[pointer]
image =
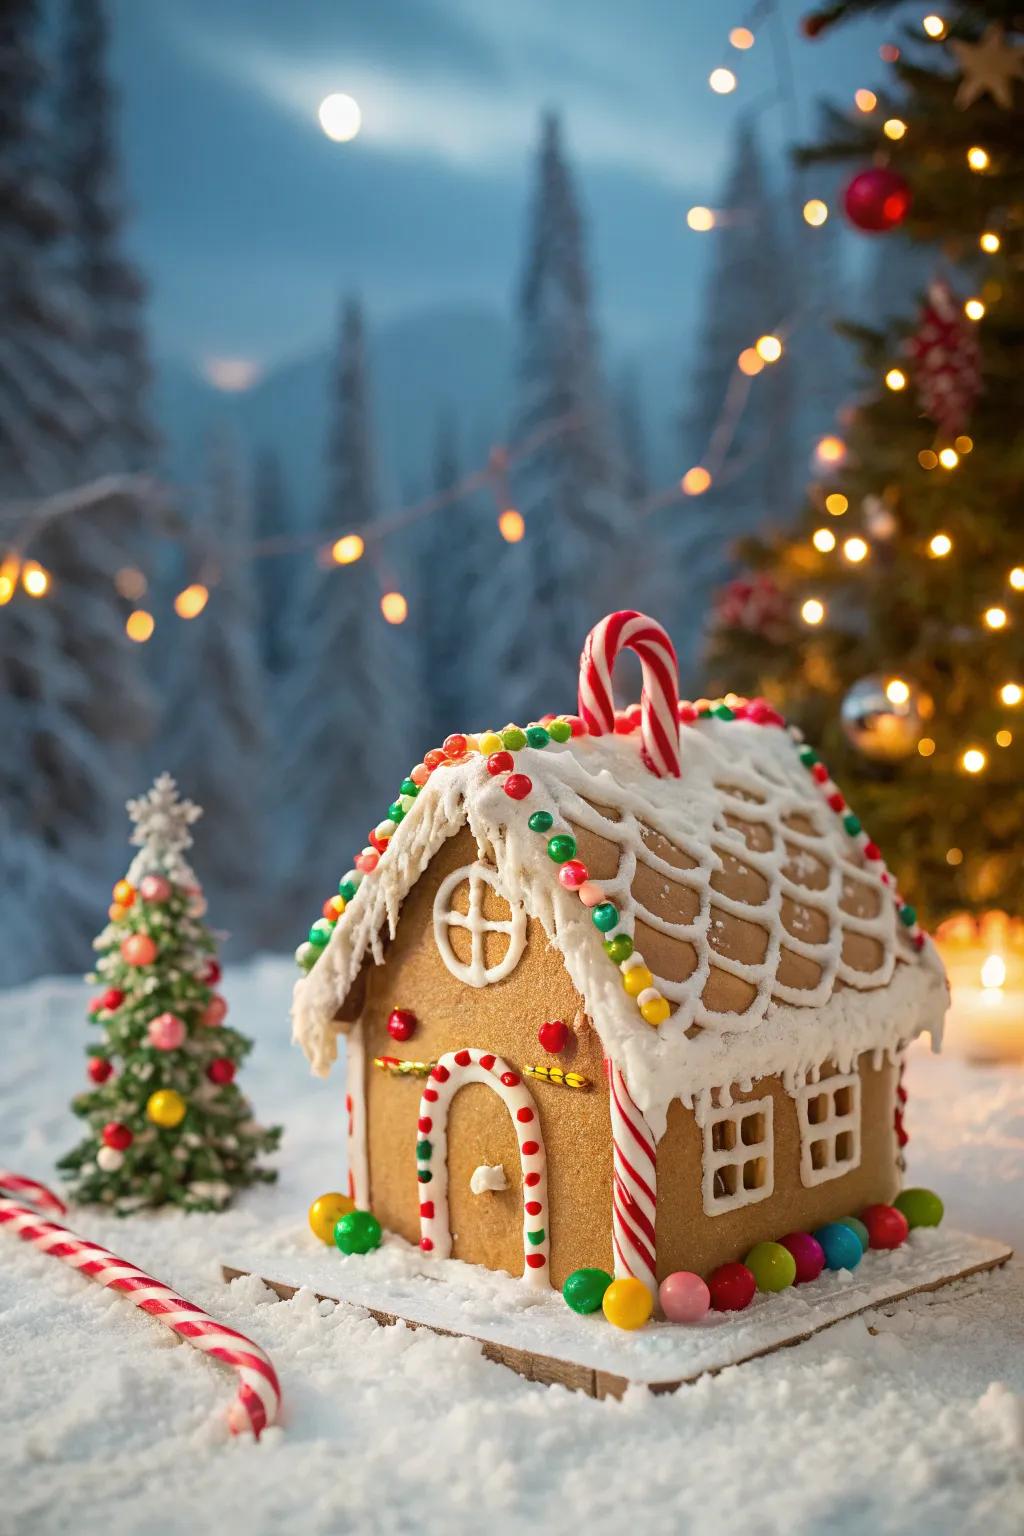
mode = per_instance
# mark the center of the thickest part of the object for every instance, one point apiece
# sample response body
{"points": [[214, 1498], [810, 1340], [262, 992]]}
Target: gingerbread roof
{"points": [[730, 922]]}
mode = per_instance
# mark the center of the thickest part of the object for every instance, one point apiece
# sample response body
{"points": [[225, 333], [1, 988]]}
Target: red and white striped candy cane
{"points": [[634, 1186], [659, 701], [259, 1395]]}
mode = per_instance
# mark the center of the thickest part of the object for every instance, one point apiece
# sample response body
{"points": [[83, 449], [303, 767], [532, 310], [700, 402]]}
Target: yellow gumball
{"points": [[637, 979], [325, 1211], [166, 1108], [489, 742], [656, 1011], [627, 1303]]}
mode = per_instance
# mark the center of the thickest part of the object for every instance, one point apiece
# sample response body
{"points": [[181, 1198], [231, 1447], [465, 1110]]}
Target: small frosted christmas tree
{"points": [[168, 1126]]}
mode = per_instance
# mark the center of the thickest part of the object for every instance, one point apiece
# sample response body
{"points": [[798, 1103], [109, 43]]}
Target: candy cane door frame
{"points": [[451, 1073]]}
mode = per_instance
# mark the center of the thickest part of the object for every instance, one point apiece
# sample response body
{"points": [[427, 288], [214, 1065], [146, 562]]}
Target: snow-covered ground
{"points": [[912, 1422]]}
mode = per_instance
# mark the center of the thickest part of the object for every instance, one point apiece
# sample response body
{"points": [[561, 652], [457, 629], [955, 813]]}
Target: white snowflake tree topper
{"points": [[162, 821]]}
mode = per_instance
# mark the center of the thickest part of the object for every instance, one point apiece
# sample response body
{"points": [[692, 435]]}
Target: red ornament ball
{"points": [[517, 786], [808, 1255], [117, 1136], [221, 1070], [877, 200], [553, 1036], [154, 888], [111, 999], [210, 973], [138, 949], [215, 1012], [99, 1069], [500, 762], [402, 1024], [732, 1287], [887, 1227]]}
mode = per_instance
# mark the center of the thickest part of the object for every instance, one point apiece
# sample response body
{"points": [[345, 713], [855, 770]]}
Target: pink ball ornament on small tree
{"points": [[138, 949], [166, 1032], [215, 1012], [155, 888]]}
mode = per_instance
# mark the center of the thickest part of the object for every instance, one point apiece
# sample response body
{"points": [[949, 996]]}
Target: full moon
{"points": [[340, 117]]}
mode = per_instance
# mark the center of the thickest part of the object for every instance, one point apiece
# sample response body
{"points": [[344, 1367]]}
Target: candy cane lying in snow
{"points": [[659, 701], [259, 1395]]}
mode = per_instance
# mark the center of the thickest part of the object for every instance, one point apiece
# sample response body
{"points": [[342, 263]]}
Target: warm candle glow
{"points": [[897, 691], [896, 379], [34, 579], [813, 611], [993, 971], [978, 159]]}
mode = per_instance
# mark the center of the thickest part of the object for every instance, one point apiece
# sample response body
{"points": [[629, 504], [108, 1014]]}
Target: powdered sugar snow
{"points": [[908, 1419]]}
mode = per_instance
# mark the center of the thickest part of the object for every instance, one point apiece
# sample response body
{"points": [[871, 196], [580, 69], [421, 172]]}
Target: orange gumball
{"points": [[124, 893]]}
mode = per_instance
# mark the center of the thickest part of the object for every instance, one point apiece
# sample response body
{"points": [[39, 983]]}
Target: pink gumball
{"points": [[154, 888], [684, 1297], [166, 1032], [808, 1255], [215, 1012]]}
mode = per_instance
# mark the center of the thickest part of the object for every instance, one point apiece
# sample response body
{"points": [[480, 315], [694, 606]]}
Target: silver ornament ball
{"points": [[884, 717]]}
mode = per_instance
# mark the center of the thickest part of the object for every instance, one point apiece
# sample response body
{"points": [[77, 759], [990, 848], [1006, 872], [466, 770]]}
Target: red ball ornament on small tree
{"points": [[215, 1012], [99, 1069], [211, 972], [111, 999], [877, 200], [117, 1136], [221, 1071]]}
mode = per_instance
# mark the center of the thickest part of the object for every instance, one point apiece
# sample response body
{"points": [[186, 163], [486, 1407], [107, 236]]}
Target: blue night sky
{"points": [[250, 222]]}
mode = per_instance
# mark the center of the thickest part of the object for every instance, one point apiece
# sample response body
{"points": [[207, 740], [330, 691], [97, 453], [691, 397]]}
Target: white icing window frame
{"points": [[736, 1154], [828, 1131], [476, 973]]}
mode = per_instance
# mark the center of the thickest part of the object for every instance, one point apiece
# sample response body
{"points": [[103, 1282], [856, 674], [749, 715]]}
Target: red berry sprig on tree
{"points": [[167, 1122]]}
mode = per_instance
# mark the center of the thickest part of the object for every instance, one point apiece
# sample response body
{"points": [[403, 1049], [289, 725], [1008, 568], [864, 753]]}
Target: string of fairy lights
{"points": [[348, 546]]}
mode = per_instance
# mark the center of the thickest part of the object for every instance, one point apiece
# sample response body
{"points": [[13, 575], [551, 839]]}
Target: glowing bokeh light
{"points": [[340, 117]]}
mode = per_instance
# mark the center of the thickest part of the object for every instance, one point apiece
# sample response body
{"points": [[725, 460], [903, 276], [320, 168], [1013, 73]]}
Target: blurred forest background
{"points": [[174, 591]]}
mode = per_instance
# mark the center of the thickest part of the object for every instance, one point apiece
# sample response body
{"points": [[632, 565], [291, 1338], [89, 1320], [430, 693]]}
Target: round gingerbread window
{"points": [[480, 934]]}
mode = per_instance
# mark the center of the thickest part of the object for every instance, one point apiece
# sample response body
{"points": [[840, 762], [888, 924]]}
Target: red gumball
{"points": [[117, 1136], [887, 1227], [732, 1287], [877, 200], [518, 786], [500, 762], [221, 1070], [99, 1069], [552, 1036], [808, 1255], [138, 949], [401, 1024], [211, 973], [112, 998]]}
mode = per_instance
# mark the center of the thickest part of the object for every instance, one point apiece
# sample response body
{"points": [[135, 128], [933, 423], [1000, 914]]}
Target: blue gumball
{"points": [[841, 1244]]}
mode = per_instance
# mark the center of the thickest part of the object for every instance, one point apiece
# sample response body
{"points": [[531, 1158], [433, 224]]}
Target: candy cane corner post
{"points": [[258, 1400], [659, 700]]}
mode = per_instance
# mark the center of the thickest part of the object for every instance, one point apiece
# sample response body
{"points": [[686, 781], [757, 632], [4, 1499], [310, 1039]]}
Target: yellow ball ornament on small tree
{"points": [[326, 1211], [166, 1108]]}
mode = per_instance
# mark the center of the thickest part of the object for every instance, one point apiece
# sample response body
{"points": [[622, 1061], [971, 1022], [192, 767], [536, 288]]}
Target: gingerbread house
{"points": [[627, 989]]}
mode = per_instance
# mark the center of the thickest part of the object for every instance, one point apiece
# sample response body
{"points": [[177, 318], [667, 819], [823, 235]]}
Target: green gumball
{"points": [[921, 1207], [584, 1290], [856, 1225], [772, 1266], [357, 1232]]}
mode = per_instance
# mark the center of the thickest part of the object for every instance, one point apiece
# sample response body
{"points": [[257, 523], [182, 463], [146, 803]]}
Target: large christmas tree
{"points": [[167, 1123], [890, 621]]}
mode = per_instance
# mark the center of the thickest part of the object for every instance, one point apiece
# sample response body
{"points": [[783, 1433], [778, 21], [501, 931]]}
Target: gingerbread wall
{"points": [[690, 1239], [502, 1017]]}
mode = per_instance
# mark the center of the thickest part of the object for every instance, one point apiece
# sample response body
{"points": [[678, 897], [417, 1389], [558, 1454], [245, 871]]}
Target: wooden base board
{"points": [[586, 1355]]}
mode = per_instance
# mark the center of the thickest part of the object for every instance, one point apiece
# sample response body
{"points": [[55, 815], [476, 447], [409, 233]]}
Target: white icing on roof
{"points": [[729, 768]]}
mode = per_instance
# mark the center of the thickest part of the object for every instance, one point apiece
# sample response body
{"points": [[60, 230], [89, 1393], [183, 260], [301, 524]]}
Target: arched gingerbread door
{"points": [[454, 1071]]}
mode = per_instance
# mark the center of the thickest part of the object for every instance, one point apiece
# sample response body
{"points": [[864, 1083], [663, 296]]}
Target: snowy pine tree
{"points": [[344, 734], [277, 579], [749, 292], [212, 734], [45, 391], [111, 289], [633, 437], [549, 589], [455, 547]]}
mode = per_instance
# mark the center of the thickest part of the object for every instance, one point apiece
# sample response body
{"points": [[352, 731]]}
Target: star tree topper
{"points": [[162, 821], [990, 66]]}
